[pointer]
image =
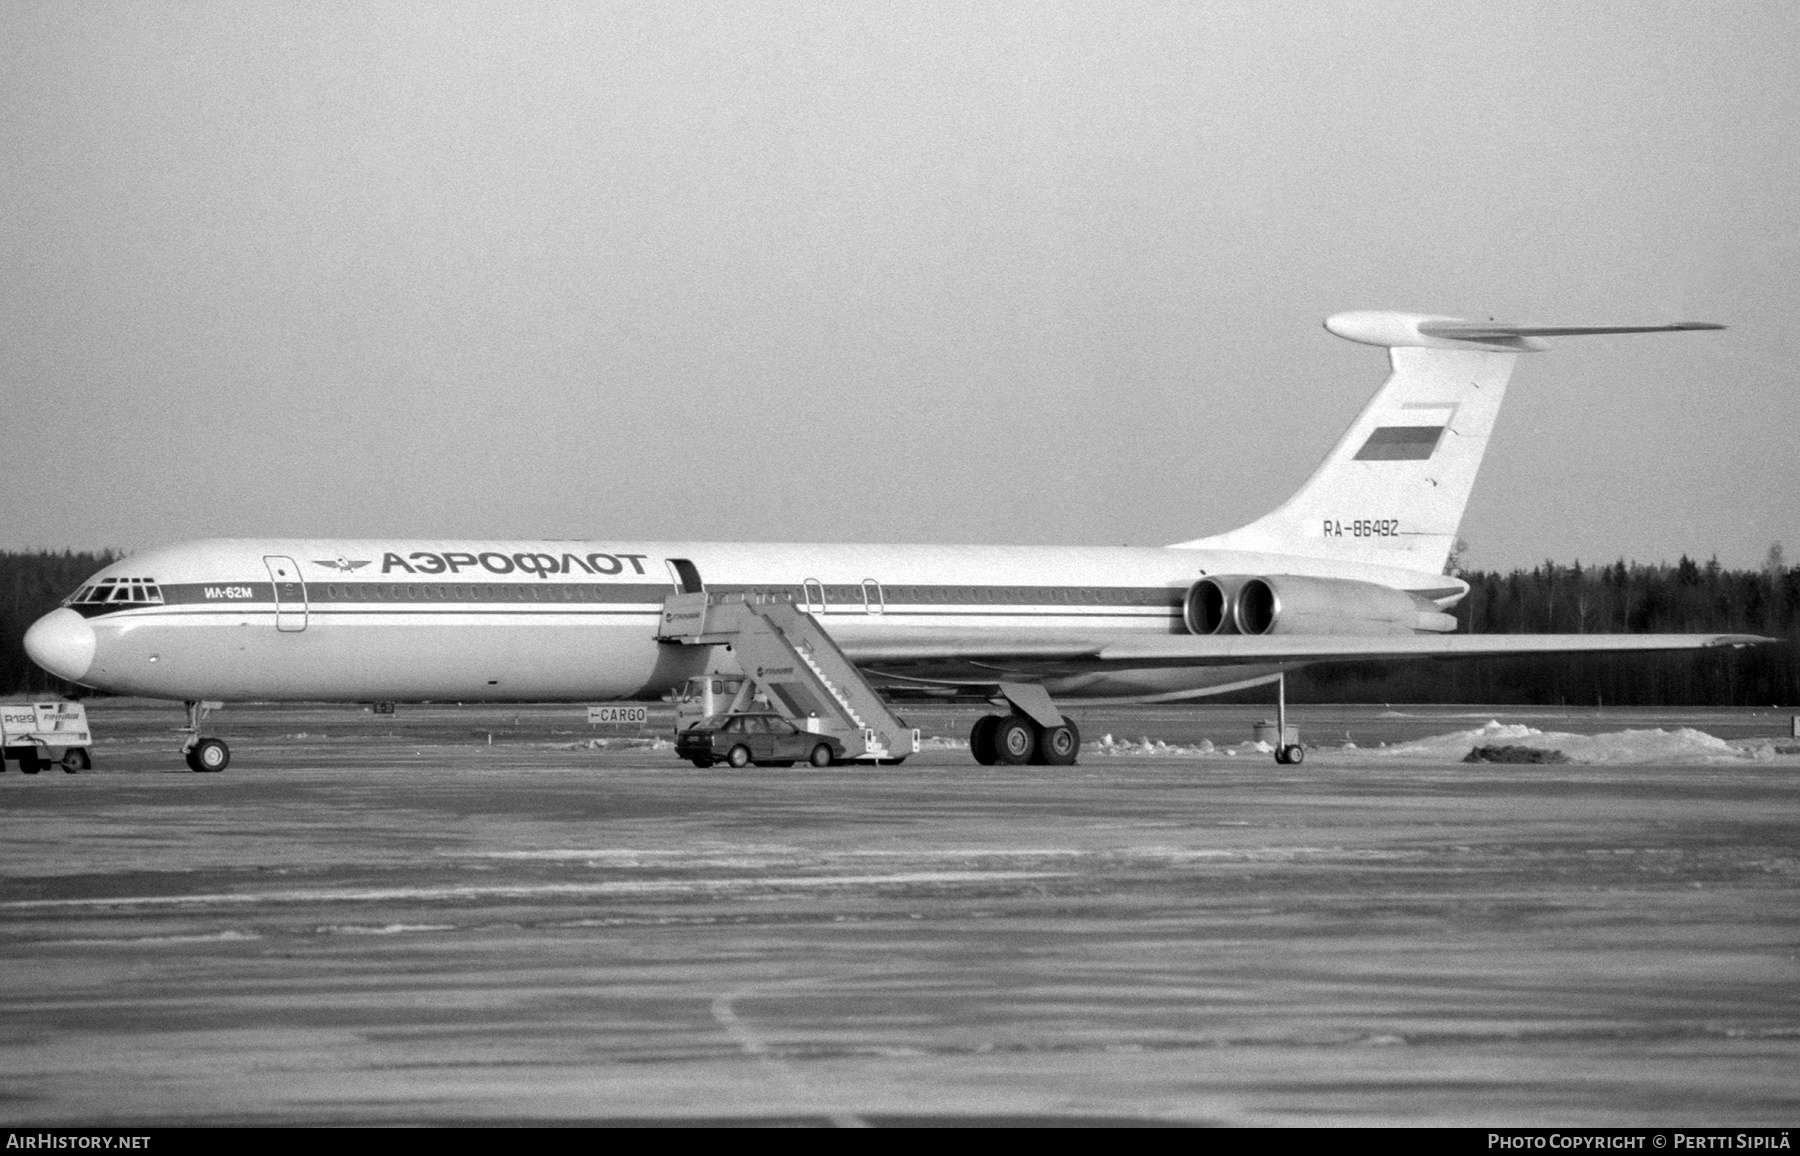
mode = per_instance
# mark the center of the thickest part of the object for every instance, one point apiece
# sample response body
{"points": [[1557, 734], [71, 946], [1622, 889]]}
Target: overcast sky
{"points": [[1039, 273]]}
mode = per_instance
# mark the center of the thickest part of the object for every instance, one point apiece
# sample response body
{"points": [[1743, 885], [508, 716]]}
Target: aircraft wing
{"points": [[1119, 651], [1227, 650]]}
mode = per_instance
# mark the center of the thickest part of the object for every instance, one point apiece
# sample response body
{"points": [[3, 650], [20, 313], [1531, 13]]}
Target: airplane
{"points": [[1352, 566]]}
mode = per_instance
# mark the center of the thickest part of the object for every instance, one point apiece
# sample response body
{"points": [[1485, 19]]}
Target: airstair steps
{"points": [[791, 656], [805, 654]]}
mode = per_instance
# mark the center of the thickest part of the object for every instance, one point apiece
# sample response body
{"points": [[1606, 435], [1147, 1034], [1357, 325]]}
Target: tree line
{"points": [[1621, 598], [31, 585]]}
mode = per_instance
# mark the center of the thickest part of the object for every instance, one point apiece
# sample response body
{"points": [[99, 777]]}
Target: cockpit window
{"points": [[117, 591]]}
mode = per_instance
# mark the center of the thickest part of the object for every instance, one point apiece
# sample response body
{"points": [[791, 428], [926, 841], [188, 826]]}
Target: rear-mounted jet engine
{"points": [[1290, 604]]}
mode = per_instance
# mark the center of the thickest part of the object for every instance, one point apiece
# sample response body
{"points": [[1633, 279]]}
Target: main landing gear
{"points": [[1033, 730], [1013, 739], [204, 753]]}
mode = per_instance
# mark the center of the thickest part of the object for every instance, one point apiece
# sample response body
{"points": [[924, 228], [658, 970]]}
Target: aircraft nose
{"points": [[62, 643]]}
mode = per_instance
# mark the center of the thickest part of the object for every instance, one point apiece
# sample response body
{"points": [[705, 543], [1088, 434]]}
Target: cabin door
{"points": [[290, 593], [686, 575]]}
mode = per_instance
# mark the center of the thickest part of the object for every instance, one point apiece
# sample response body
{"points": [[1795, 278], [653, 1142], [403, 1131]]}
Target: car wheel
{"points": [[701, 763], [1015, 740], [821, 755], [75, 759], [738, 757]]}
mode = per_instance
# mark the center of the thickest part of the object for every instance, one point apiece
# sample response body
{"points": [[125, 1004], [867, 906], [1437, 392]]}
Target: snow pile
{"points": [[1107, 745], [1451, 747], [620, 744], [1680, 745], [1765, 748]]}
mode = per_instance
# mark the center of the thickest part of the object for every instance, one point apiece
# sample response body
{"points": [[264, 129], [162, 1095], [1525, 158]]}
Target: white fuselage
{"points": [[358, 621]]}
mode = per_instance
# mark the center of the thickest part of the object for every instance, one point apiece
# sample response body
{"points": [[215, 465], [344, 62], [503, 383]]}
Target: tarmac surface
{"points": [[468, 915]]}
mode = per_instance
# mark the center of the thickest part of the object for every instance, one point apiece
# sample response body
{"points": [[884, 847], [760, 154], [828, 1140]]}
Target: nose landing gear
{"points": [[203, 753], [208, 754]]}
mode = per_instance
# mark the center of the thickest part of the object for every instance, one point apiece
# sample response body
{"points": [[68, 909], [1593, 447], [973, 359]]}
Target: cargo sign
{"points": [[636, 715]]}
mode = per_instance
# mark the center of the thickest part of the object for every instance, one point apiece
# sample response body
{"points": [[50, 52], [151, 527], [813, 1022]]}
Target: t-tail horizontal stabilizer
{"points": [[1428, 331], [1392, 491]]}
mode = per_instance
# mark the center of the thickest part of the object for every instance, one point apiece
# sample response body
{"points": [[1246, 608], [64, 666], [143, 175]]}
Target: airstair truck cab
{"points": [[36, 735], [701, 698]]}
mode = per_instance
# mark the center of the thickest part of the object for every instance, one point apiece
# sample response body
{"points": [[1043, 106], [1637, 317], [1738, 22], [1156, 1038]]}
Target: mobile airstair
{"points": [[787, 653]]}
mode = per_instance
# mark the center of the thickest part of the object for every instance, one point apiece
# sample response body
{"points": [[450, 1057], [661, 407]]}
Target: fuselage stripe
{"points": [[838, 599]]}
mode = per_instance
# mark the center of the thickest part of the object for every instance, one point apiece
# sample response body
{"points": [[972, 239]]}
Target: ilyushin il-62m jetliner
{"points": [[1351, 567]]}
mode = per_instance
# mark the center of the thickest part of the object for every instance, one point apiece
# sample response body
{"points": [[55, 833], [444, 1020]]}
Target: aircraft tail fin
{"points": [[1393, 489]]}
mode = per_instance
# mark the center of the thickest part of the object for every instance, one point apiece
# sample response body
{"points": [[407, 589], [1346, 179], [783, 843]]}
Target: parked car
{"points": [[768, 740]]}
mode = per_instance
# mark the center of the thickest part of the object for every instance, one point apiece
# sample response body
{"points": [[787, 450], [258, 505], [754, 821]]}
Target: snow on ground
{"points": [[619, 743], [1107, 745], [1681, 745]]}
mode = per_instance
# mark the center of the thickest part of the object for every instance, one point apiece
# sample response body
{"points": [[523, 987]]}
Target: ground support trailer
{"points": [[42, 734]]}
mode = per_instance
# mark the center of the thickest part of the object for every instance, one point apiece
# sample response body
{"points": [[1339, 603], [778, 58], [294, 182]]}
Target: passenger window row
{"points": [[989, 595]]}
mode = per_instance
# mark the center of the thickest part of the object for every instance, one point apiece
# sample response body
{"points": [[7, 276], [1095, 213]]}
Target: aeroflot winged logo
{"points": [[344, 565]]}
